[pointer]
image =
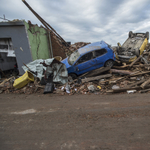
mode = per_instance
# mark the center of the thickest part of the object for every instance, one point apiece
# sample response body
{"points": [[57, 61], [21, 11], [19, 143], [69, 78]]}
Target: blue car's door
{"points": [[101, 56], [86, 63]]}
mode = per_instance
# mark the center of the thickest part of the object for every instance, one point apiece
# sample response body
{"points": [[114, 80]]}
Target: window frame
{"points": [[77, 63], [99, 50]]}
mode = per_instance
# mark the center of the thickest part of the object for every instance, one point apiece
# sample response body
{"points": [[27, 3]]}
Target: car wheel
{"points": [[72, 77], [109, 63], [130, 34], [147, 35], [137, 52]]}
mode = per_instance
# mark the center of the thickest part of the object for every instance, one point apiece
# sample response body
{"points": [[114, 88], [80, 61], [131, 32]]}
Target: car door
{"points": [[85, 63], [100, 56]]}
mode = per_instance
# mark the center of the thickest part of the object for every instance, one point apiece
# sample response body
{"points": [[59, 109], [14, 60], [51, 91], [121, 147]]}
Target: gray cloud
{"points": [[85, 20]]}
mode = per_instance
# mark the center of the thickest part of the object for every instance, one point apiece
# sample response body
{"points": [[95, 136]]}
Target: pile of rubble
{"points": [[130, 78]]}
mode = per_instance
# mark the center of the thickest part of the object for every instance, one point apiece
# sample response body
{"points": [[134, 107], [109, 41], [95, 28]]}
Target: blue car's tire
{"points": [[109, 63]]}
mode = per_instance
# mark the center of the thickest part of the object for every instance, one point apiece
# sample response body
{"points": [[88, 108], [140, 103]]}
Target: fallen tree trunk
{"points": [[96, 78]]}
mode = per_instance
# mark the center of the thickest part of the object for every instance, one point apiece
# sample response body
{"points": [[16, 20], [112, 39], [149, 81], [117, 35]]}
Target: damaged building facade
{"points": [[22, 42]]}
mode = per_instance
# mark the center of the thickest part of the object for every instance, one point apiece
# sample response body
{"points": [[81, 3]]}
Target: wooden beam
{"points": [[144, 91], [136, 83], [124, 89], [96, 78], [145, 84], [137, 59], [140, 73], [124, 72], [97, 71]]}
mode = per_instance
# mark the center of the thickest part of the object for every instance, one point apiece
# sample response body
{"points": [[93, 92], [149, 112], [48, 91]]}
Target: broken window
{"points": [[85, 57], [73, 57], [100, 52], [6, 46]]}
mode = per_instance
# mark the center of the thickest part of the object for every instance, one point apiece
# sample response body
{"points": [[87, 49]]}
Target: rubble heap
{"points": [[130, 78]]}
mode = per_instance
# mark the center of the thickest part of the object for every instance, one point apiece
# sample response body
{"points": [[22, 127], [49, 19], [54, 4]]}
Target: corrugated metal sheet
{"points": [[60, 73]]}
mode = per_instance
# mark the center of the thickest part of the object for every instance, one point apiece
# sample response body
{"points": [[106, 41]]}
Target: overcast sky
{"points": [[85, 20]]}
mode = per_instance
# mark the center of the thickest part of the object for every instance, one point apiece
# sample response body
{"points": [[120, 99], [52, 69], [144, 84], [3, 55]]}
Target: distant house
{"points": [[24, 42]]}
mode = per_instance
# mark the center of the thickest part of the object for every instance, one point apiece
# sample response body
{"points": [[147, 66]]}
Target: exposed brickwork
{"points": [[58, 50]]}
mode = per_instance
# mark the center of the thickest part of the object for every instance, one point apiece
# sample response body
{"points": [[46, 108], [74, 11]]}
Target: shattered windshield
{"points": [[73, 57]]}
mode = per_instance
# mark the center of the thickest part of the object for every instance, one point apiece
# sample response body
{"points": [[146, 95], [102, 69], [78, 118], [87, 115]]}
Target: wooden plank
{"points": [[145, 84], [127, 88], [97, 71], [6, 80], [141, 65], [114, 80], [123, 89], [144, 91], [146, 66], [140, 73], [120, 67], [136, 83], [96, 78], [125, 72], [137, 59]]}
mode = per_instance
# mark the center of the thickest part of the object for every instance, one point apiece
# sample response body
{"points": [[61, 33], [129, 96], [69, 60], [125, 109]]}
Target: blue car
{"points": [[89, 57]]}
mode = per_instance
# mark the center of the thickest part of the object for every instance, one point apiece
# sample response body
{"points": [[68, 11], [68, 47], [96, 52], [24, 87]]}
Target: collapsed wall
{"points": [[40, 42]]}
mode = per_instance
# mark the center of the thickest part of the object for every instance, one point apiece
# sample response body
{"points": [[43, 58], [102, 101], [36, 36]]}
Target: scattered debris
{"points": [[115, 87], [126, 78], [131, 91], [23, 80]]}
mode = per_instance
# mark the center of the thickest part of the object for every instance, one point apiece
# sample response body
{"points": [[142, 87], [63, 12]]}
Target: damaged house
{"points": [[22, 42]]}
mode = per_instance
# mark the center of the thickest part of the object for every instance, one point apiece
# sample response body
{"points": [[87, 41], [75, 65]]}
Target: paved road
{"points": [[78, 122]]}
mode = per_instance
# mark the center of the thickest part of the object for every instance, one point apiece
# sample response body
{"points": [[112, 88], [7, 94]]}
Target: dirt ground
{"points": [[78, 122]]}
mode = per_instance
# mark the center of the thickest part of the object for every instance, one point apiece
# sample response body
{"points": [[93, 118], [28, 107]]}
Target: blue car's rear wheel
{"points": [[109, 63]]}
